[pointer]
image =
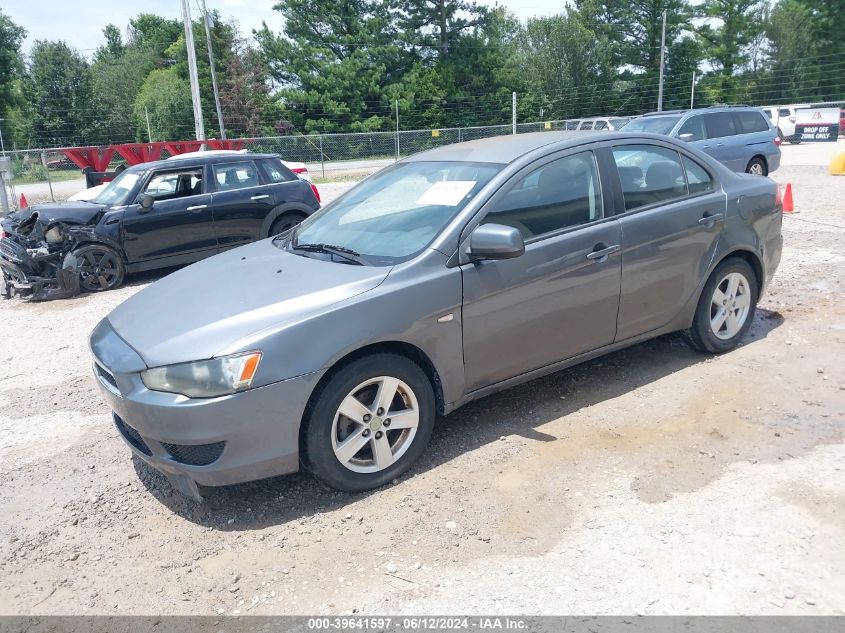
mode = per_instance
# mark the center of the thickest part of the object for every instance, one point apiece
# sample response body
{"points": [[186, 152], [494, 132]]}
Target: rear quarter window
{"points": [[719, 124], [274, 171], [749, 122]]}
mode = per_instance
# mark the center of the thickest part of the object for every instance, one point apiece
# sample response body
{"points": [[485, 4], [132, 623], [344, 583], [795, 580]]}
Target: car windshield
{"points": [[653, 124], [396, 213], [117, 191]]}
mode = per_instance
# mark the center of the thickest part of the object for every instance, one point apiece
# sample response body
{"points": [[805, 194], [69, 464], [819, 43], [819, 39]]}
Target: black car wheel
{"points": [[726, 308], [100, 268], [369, 423], [285, 222]]}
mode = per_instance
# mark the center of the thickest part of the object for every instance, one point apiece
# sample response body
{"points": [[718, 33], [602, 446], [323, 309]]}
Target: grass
{"points": [[56, 175]]}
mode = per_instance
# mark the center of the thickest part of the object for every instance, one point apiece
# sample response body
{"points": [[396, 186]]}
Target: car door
{"points": [[722, 142], [179, 226], [671, 223], [560, 298], [240, 203]]}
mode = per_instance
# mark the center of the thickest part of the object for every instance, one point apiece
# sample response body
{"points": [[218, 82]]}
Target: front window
{"points": [[653, 124], [393, 215], [175, 184], [117, 192]]}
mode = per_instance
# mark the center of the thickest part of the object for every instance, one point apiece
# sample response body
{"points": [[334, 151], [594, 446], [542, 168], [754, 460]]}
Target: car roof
{"points": [[210, 159], [505, 149]]}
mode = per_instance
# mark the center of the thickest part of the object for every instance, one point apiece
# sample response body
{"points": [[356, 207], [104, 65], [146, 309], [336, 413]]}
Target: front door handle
{"points": [[603, 253], [197, 207], [261, 197], [711, 219]]}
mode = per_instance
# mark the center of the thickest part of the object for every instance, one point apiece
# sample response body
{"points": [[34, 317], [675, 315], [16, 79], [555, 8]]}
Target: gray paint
{"points": [[511, 320]]}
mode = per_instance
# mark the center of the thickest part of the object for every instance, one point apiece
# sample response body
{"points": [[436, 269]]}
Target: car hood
{"points": [[70, 212], [199, 311]]}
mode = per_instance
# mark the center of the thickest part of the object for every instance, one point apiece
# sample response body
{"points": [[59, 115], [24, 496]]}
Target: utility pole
{"points": [[213, 72], [692, 92], [3, 147], [199, 126], [149, 130], [397, 128], [513, 113], [662, 55]]}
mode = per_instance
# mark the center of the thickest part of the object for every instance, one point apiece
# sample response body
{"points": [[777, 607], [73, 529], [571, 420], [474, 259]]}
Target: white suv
{"points": [[783, 118]]}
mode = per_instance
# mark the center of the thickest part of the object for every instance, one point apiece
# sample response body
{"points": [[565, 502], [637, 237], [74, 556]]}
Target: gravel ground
{"points": [[654, 480]]}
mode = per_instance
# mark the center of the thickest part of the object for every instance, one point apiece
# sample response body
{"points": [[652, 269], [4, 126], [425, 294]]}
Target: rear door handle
{"points": [[602, 254], [709, 220], [197, 207], [261, 197]]}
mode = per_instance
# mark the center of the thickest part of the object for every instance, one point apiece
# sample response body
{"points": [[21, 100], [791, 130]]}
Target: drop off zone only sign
{"points": [[817, 124]]}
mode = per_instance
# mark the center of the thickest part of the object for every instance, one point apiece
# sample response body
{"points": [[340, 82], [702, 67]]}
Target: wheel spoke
{"points": [[386, 392], [104, 284], [350, 447], [89, 257], [408, 419], [381, 452], [718, 297], [717, 321], [743, 300], [732, 323], [353, 409], [733, 283]]}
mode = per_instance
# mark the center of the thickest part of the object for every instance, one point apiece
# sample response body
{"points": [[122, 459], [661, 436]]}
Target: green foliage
{"points": [[166, 98], [58, 93], [11, 69]]}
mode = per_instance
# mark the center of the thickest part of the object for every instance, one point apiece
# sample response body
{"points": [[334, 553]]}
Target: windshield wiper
{"points": [[341, 251]]}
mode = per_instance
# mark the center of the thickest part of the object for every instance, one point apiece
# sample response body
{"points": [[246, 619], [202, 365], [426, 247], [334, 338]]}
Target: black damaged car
{"points": [[153, 215]]}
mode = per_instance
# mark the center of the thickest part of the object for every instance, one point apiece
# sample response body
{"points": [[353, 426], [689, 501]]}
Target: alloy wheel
{"points": [[375, 424], [756, 169], [730, 305], [98, 270]]}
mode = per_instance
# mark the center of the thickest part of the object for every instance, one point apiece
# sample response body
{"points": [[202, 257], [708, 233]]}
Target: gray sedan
{"points": [[446, 277]]}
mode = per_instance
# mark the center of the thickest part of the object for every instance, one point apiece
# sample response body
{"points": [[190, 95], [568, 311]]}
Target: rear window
{"points": [[273, 170], [751, 122], [653, 124], [719, 124], [783, 112]]}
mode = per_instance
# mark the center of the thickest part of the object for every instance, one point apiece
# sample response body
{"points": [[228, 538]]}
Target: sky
{"points": [[80, 23]]}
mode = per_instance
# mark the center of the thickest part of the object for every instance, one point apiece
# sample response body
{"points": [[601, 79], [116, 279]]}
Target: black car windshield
{"points": [[395, 214], [653, 124], [117, 191]]}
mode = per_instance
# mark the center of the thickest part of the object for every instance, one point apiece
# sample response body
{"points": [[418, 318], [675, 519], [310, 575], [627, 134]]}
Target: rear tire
{"points": [[369, 423], [100, 268], [757, 166], [284, 222], [726, 308]]}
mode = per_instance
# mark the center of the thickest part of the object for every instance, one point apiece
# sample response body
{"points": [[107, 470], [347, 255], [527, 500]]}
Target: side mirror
{"points": [[147, 202], [495, 241], [687, 137]]}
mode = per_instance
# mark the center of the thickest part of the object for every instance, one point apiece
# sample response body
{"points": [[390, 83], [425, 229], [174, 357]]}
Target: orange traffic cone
{"points": [[23, 203], [788, 207]]}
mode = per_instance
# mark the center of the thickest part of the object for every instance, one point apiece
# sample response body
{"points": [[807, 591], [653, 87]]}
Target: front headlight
{"points": [[205, 378]]}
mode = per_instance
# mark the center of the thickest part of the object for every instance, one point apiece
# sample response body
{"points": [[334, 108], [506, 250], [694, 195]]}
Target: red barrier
{"points": [[98, 158]]}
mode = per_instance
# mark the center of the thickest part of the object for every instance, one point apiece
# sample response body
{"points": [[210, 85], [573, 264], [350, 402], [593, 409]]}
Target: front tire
{"points": [[369, 423], [726, 308], [100, 268]]}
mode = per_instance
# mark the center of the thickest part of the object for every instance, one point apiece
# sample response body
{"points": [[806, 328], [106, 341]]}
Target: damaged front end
{"points": [[37, 261]]}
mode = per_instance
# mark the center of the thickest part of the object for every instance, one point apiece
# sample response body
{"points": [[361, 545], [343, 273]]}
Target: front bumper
{"points": [[212, 441]]}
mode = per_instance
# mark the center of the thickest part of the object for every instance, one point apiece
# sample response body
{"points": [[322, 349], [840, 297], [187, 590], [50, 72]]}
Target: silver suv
{"points": [[739, 137]]}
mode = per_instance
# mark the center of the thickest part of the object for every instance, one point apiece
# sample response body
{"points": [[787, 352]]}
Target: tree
{"points": [[333, 62], [245, 93], [633, 27], [793, 51], [11, 70], [726, 41], [166, 98], [57, 89], [568, 65], [438, 24]]}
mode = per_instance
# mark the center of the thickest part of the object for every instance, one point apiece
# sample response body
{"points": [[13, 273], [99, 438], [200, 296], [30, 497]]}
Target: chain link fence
{"points": [[44, 175]]}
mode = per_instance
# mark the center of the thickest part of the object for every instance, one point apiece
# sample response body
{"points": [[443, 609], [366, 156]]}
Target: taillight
{"points": [[3, 235], [792, 119], [777, 141], [300, 170], [316, 193]]}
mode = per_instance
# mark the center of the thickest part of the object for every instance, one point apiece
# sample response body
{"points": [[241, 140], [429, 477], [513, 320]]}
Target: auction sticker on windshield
{"points": [[448, 193]]}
